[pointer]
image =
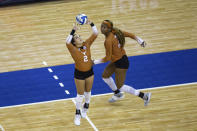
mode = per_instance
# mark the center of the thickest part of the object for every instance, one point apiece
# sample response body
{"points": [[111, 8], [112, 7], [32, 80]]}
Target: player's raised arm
{"points": [[69, 38], [94, 35], [137, 38]]}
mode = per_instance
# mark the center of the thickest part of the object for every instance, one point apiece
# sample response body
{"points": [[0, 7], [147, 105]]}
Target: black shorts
{"points": [[83, 75], [122, 63]]}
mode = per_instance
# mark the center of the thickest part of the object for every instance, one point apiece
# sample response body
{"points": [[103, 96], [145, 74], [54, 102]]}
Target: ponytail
{"points": [[119, 35]]}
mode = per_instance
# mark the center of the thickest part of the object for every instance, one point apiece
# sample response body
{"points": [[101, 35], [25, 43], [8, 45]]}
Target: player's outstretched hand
{"points": [[76, 26], [88, 22], [143, 44]]}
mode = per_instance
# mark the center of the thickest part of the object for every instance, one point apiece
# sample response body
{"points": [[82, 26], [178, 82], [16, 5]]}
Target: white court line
{"points": [[155, 88], [88, 119], [50, 70], [1, 127], [61, 84], [67, 92], [44, 62], [55, 77], [169, 86]]}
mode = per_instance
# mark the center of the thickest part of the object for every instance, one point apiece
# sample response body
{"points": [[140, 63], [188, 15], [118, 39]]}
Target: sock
{"points": [[79, 100], [78, 111], [86, 105], [141, 95], [87, 97], [129, 89], [110, 82], [117, 91]]}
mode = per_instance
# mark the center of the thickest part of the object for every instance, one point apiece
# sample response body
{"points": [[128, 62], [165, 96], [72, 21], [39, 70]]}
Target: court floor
{"points": [[32, 100]]}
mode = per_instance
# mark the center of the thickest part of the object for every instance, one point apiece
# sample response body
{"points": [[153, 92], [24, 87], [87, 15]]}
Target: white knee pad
{"points": [[87, 97], [110, 82], [79, 100], [129, 89]]}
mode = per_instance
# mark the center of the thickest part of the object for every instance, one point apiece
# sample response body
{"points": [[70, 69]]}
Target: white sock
{"points": [[110, 82], [87, 97], [79, 100], [129, 89]]}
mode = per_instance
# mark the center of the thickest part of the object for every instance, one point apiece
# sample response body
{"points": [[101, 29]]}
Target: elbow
{"points": [[96, 34], [107, 58], [67, 43]]}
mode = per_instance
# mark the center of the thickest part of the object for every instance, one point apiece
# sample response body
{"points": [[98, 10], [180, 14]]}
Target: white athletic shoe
{"points": [[116, 97], [146, 98], [84, 112], [77, 119]]}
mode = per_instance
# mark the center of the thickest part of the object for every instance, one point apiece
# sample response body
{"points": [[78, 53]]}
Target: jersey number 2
{"points": [[85, 58]]}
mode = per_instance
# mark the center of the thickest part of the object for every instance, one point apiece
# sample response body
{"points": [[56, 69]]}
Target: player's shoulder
{"points": [[108, 41], [110, 37], [85, 44]]}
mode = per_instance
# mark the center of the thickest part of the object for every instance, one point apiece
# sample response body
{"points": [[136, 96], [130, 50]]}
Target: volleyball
{"points": [[81, 19]]}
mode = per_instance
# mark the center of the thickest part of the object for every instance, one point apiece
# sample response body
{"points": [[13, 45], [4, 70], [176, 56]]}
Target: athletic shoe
{"points": [[84, 112], [77, 119], [146, 98], [116, 97]]}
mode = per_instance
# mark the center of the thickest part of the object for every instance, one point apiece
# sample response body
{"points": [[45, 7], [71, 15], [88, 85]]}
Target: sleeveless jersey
{"points": [[113, 49], [82, 57]]}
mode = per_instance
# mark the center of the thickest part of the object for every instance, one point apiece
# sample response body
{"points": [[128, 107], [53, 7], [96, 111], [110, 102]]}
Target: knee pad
{"points": [[79, 98]]}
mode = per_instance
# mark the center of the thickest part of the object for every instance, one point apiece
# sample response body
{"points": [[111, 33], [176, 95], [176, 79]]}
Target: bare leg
{"points": [[89, 83], [109, 70], [120, 79], [88, 87], [80, 85], [120, 75], [87, 94]]}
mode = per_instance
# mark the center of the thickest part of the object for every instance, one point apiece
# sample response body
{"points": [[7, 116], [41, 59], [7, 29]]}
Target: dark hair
{"points": [[118, 33]]}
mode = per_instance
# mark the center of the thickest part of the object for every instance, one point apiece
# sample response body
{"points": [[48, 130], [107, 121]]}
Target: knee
{"points": [[120, 83], [120, 86], [105, 75], [80, 92]]}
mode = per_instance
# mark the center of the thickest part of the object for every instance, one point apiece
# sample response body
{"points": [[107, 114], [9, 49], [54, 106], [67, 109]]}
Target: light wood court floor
{"points": [[33, 33], [171, 109]]}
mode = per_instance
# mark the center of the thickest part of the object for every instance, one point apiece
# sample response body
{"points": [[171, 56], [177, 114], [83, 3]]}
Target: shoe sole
{"points": [[149, 97], [119, 98]]}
